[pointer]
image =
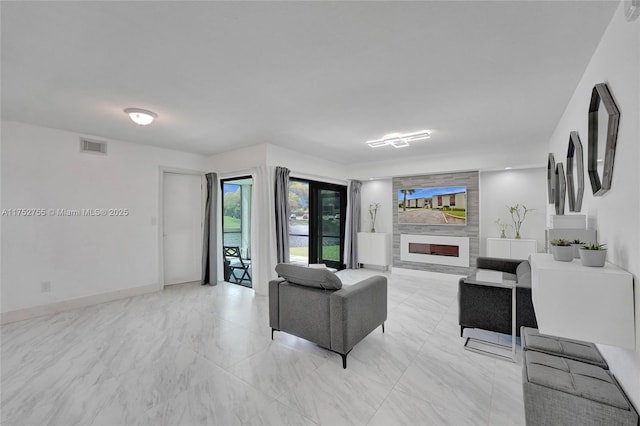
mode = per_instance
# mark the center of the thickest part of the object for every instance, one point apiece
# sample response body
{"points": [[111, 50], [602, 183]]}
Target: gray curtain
{"points": [[282, 214], [210, 238], [352, 225]]}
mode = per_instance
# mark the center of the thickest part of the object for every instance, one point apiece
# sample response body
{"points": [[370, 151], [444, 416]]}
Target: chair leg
{"points": [[272, 330], [383, 327], [344, 360]]}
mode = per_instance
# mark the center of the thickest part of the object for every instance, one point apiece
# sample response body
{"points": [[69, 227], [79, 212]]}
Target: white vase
{"points": [[562, 253], [595, 258]]}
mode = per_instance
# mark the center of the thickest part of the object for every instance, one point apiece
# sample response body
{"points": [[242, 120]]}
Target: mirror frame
{"points": [[574, 156], [600, 92], [561, 189], [551, 178]]}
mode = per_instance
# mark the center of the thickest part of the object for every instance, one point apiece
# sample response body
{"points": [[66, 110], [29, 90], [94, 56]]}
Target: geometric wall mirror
{"points": [[561, 189], [575, 172], [551, 178], [604, 117]]}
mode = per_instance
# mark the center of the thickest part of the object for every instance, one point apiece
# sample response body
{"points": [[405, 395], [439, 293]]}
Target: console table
{"points": [[373, 248], [583, 303], [511, 248]]}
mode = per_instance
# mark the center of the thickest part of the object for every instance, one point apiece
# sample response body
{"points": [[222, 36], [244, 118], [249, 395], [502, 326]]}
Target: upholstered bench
{"points": [[561, 391], [533, 340]]}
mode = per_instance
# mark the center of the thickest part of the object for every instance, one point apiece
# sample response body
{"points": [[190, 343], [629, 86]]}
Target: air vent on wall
{"points": [[93, 147]]}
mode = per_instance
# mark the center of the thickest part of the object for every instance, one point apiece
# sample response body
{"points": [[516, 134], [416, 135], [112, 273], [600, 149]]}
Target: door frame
{"points": [[314, 225], [314, 187], [159, 220], [221, 182]]}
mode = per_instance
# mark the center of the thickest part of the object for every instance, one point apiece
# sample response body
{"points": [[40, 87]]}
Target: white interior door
{"points": [[182, 228]]}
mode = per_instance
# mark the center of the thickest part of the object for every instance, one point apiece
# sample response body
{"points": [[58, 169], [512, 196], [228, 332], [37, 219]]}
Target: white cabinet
{"points": [[511, 248], [584, 303], [373, 248]]}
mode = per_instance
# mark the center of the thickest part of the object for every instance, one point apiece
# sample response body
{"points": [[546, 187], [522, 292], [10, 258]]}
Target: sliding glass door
{"points": [[299, 222], [316, 223]]}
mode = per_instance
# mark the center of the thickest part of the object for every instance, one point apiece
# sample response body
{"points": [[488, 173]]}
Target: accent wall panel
{"points": [[471, 230]]}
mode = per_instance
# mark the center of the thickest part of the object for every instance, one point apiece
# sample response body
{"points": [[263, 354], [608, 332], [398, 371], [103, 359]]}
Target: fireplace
{"points": [[441, 250], [434, 249]]}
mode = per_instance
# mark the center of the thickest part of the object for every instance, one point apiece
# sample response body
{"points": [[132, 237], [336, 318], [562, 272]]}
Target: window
{"points": [[452, 200]]}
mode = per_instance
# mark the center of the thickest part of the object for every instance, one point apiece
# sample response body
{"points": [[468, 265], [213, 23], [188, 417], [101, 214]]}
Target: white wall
{"points": [[237, 162], [80, 256], [499, 189], [377, 191], [615, 215], [306, 166]]}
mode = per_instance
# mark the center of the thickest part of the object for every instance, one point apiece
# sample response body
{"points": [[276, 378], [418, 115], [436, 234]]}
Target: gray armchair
{"points": [[488, 307], [312, 304]]}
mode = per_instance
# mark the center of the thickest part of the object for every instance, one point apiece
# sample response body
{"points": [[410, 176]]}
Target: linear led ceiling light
{"points": [[141, 116], [400, 140]]}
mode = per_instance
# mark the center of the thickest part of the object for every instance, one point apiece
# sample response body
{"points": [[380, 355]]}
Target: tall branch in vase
{"points": [[373, 213], [518, 215]]}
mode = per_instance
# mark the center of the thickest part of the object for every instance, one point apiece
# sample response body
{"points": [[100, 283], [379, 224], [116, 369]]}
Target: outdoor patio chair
{"points": [[233, 262]]}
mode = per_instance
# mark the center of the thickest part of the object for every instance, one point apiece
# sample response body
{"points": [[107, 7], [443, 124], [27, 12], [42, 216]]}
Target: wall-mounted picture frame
{"points": [[551, 178], [602, 140], [575, 172], [561, 188]]}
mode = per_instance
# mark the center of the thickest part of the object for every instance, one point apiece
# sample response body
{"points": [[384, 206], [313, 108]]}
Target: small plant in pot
{"points": [[593, 255], [561, 250], [577, 245]]}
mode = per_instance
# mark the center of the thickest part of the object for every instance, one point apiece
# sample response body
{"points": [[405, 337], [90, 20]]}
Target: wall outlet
{"points": [[45, 286]]}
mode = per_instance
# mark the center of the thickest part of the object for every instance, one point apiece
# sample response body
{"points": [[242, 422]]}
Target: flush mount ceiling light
{"points": [[141, 116], [400, 140]]}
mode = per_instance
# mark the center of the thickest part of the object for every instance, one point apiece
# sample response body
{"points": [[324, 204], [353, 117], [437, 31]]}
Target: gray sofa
{"points": [[489, 307], [313, 304]]}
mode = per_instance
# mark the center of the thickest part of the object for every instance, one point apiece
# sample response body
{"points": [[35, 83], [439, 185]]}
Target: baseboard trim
{"points": [[80, 302], [426, 274]]}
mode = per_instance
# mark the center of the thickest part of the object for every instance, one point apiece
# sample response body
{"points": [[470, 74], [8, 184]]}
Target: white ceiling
{"points": [[316, 77]]}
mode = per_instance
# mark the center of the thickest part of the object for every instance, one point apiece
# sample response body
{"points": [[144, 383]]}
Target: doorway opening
{"points": [[236, 230], [316, 222]]}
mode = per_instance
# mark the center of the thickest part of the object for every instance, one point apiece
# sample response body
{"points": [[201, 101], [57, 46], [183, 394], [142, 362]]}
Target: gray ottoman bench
{"points": [[577, 350], [561, 391]]}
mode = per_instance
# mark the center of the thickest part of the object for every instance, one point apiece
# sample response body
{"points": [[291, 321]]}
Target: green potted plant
{"points": [[561, 250], [593, 255], [577, 245], [503, 228], [518, 215]]}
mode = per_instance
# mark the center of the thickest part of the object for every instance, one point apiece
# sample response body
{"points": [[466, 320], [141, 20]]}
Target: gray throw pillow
{"points": [[310, 277]]}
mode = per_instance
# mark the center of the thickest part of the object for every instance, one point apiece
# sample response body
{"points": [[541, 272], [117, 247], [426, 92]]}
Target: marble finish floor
{"points": [[200, 355]]}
